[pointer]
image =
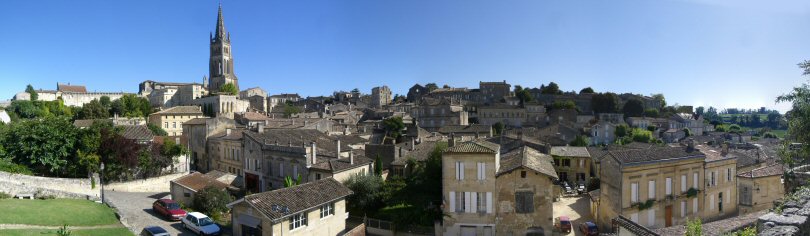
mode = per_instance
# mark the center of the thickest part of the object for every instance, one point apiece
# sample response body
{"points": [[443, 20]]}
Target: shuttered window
{"points": [[524, 202]]}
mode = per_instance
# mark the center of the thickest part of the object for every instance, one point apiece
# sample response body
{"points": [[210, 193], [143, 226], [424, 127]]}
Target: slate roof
{"points": [[278, 204], [713, 154], [570, 151], [326, 144], [460, 129], [137, 132], [195, 121], [181, 110], [475, 146], [335, 165], [529, 158], [634, 156], [236, 134], [420, 152], [71, 88], [197, 181], [771, 170], [254, 116]]}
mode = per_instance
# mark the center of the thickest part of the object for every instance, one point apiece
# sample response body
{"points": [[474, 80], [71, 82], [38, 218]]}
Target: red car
{"points": [[563, 224], [588, 228], [169, 209]]}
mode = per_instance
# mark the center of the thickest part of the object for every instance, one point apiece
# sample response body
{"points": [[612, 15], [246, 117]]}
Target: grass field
{"points": [[81, 232], [55, 212]]}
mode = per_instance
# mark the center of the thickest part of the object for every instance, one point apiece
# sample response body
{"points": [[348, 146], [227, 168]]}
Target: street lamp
{"points": [[101, 181]]}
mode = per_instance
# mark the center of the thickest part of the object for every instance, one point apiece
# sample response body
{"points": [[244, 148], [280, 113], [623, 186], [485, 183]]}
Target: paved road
{"points": [[578, 209], [136, 211]]}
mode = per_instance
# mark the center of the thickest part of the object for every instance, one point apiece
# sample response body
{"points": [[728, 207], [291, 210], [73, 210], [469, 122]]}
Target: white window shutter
{"points": [[467, 202], [458, 171], [695, 180], [683, 183], [694, 205], [473, 202], [634, 192], [651, 190], [461, 167], [683, 208], [651, 218], [489, 202], [711, 202], [452, 201]]}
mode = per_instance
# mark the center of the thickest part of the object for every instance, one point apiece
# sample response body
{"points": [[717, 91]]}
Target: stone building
{"points": [[252, 92], [220, 64], [432, 114], [71, 95], [380, 96], [197, 131], [720, 194], [222, 105], [225, 151], [508, 115], [280, 99], [493, 91], [416, 92], [172, 119], [314, 208], [760, 188], [655, 187], [170, 94], [524, 182], [573, 164]]}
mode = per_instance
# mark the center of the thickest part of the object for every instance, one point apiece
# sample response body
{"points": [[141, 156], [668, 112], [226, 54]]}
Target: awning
{"points": [[248, 220]]}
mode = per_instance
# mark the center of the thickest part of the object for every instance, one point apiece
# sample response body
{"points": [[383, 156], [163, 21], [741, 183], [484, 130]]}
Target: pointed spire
{"points": [[221, 33]]}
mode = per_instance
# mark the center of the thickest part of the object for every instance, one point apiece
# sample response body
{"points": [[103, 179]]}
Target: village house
{"points": [[493, 91], [197, 131], [380, 96], [508, 115], [524, 196], [184, 188], [225, 151], [470, 201], [170, 94], [720, 193], [432, 114], [760, 188], [172, 119], [572, 164], [314, 208], [656, 187]]}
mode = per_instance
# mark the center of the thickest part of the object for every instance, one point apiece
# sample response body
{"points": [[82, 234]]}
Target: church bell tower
{"points": [[220, 64]]}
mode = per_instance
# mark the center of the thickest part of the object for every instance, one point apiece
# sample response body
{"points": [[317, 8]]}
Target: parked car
{"points": [[201, 224], [169, 209], [581, 188], [567, 188], [562, 224], [154, 231], [588, 228]]}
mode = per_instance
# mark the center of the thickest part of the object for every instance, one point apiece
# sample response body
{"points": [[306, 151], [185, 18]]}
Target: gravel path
{"points": [[136, 211]]}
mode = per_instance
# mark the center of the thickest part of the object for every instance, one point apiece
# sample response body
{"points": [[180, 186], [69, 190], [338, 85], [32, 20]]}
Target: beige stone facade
{"points": [[720, 195], [573, 164], [759, 188], [538, 218], [172, 119], [316, 226]]}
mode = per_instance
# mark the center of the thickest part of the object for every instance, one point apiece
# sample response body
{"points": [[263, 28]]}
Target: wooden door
{"points": [[668, 216]]}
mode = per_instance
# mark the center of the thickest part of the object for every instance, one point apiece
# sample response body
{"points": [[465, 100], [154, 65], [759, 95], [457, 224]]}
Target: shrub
{"points": [[212, 201], [4, 195], [64, 231]]}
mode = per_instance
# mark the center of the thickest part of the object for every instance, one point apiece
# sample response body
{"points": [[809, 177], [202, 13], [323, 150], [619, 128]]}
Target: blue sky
{"points": [[725, 53]]}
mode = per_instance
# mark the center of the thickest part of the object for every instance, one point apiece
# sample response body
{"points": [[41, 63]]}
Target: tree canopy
{"points": [[431, 86], [605, 103], [130, 105], [798, 118], [30, 90], [394, 126], [228, 89], [551, 88], [586, 90], [633, 108]]}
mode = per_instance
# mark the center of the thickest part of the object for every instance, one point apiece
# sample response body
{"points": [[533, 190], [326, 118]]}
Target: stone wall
{"points": [[58, 187], [156, 184], [793, 219]]}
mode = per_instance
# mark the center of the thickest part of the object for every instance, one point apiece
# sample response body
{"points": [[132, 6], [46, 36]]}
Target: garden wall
{"points": [[156, 184], [58, 187]]}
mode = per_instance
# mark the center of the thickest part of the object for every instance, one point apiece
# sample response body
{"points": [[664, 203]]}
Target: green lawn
{"points": [[779, 132], [81, 232], [55, 212]]}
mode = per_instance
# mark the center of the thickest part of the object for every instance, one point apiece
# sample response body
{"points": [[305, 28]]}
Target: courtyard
{"points": [[577, 208]]}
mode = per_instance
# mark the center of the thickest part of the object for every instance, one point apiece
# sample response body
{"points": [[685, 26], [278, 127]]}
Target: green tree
{"points": [[290, 110], [687, 132], [700, 110], [659, 97], [45, 144], [652, 128], [497, 128], [523, 94], [621, 130], [734, 128], [378, 166], [633, 108], [131, 105], [431, 86], [393, 127], [94, 110], [228, 89], [642, 135], [105, 102], [651, 112], [694, 227], [289, 181], [212, 201], [798, 118], [367, 190], [30, 90], [580, 141], [157, 130], [552, 88], [586, 90], [563, 104], [605, 103]]}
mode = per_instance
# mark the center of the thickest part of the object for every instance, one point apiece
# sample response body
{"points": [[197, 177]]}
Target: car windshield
{"points": [[565, 222], [205, 221], [173, 206], [592, 228]]}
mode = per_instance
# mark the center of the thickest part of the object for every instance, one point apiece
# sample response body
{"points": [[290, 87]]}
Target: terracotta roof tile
{"points": [[185, 110], [771, 170], [197, 181], [570, 151], [284, 202], [529, 158], [137, 132], [71, 88], [632, 156], [476, 146]]}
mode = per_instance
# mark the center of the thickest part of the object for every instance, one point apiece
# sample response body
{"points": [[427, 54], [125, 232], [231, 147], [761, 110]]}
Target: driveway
{"points": [[136, 211], [578, 209]]}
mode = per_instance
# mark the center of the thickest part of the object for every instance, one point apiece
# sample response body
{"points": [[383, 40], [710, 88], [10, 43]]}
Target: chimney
{"points": [[412, 144], [338, 149], [690, 145], [289, 142], [228, 131], [293, 121], [725, 150], [400, 151], [260, 129], [314, 152], [306, 122], [351, 157], [452, 141]]}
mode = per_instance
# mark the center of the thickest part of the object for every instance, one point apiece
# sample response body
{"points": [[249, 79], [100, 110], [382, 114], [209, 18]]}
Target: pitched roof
{"points": [[195, 121], [236, 134], [633, 227], [71, 88], [181, 110], [570, 151], [529, 158], [197, 181], [326, 144], [713, 154], [335, 165], [137, 132], [473, 128], [771, 170], [253, 116], [284, 202], [420, 152], [634, 156], [475, 146]]}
